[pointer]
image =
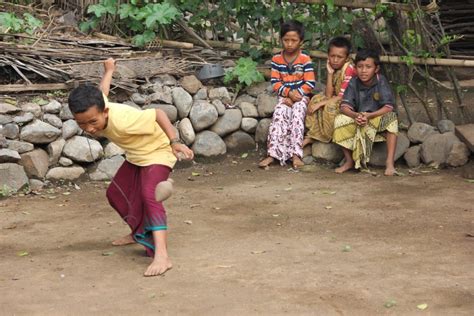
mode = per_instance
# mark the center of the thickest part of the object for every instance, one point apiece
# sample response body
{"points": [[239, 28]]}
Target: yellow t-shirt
{"points": [[138, 133]]}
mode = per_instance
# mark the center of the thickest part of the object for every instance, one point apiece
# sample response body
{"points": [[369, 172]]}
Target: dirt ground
{"points": [[246, 241]]}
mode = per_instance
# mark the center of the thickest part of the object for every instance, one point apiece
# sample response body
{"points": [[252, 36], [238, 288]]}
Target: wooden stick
{"points": [[190, 31], [34, 87], [357, 4]]}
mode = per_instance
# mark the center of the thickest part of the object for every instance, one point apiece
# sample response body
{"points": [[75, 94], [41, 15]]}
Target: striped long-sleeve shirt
{"points": [[296, 76]]}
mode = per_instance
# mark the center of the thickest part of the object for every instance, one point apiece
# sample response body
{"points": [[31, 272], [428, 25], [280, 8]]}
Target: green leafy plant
{"points": [[5, 191], [10, 23], [244, 74]]}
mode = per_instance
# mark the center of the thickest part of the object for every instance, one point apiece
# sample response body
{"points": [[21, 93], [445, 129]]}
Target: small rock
{"points": [[33, 108], [170, 110], [166, 80], [53, 120], [228, 63], [182, 100], [245, 98], [248, 109], [5, 119], [266, 105], [25, 118], [201, 94], [239, 142], [39, 132], [36, 185], [436, 148], [138, 99], [70, 128], [6, 108], [107, 168], [220, 94], [161, 97], [459, 155], [65, 113], [12, 177], [220, 107], [418, 132], [36, 163], [190, 84], [227, 123], [413, 157], [379, 150], [258, 88], [65, 162], [111, 149], [52, 107], [261, 133], [466, 135], [19, 146], [65, 173], [11, 131], [249, 125], [83, 149], [54, 150], [208, 144], [445, 126], [186, 131], [8, 155], [202, 115], [327, 151], [308, 160], [468, 171], [3, 141]]}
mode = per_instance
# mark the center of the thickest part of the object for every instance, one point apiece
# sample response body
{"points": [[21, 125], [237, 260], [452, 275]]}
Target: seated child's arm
{"points": [[386, 98], [309, 79], [277, 81], [383, 110], [109, 68], [329, 78], [181, 151]]}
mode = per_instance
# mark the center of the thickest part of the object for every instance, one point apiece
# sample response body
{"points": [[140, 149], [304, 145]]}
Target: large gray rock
{"points": [[166, 80], [83, 149], [39, 132], [202, 115], [107, 168], [54, 150], [5, 119], [220, 94], [418, 132], [245, 98], [412, 156], [36, 163], [436, 148], [183, 101], [249, 125], [11, 131], [19, 146], [261, 133], [52, 107], [111, 149], [266, 105], [3, 141], [445, 126], [259, 88], [12, 177], [248, 109], [379, 150], [53, 120], [171, 111], [65, 162], [227, 123], [220, 107], [23, 119], [33, 108], [70, 128], [208, 144], [65, 173], [239, 142], [201, 94], [186, 131], [190, 84], [65, 113], [327, 151], [138, 99], [8, 155], [162, 96], [6, 108], [459, 155]]}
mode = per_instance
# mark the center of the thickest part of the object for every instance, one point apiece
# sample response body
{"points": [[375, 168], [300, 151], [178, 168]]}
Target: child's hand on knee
{"points": [[288, 102], [295, 96]]}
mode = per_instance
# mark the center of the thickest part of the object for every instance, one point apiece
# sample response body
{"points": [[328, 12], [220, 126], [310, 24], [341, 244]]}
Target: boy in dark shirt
{"points": [[367, 111]]}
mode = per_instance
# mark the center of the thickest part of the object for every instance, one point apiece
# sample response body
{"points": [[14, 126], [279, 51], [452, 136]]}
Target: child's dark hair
{"points": [[84, 97], [340, 42], [292, 26], [363, 54]]}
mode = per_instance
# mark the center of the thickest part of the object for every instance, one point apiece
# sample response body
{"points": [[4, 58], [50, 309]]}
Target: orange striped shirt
{"points": [[298, 75]]}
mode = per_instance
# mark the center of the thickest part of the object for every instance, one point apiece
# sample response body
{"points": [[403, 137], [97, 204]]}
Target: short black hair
{"points": [[292, 26], [340, 42], [363, 54], [84, 97]]}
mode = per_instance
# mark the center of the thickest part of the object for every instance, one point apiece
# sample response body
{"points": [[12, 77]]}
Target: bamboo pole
{"points": [[34, 87], [357, 4]]}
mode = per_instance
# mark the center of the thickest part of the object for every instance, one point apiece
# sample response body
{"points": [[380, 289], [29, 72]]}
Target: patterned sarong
{"points": [[360, 139]]}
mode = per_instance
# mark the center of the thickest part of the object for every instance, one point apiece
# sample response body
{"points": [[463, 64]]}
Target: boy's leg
{"points": [[277, 140], [161, 262], [297, 131], [391, 146], [349, 162]]}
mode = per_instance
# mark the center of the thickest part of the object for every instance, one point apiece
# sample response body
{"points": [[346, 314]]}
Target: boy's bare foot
{"points": [[158, 267], [125, 240], [348, 165], [390, 171], [266, 162], [307, 141], [297, 162]]}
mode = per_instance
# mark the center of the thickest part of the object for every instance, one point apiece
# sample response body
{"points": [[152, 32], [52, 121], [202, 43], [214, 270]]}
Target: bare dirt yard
{"points": [[246, 241]]}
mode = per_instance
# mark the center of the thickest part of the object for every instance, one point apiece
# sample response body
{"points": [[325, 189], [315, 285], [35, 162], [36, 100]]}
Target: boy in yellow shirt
{"points": [[151, 147]]}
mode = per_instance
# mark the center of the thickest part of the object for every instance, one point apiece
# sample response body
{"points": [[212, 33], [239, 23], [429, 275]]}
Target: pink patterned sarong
{"points": [[285, 136], [132, 195]]}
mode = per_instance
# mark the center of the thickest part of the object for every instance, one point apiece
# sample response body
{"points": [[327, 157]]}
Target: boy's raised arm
{"points": [[109, 68]]}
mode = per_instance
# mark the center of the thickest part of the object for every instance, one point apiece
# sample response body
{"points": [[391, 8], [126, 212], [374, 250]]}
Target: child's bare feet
{"points": [[348, 165], [390, 171], [266, 162], [297, 162], [125, 240], [158, 266], [307, 141]]}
